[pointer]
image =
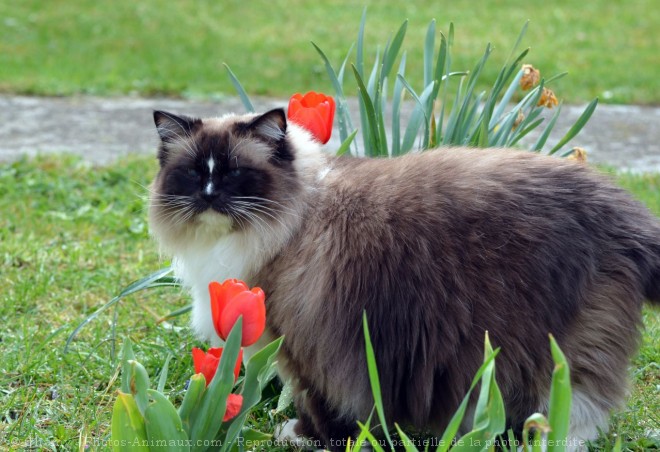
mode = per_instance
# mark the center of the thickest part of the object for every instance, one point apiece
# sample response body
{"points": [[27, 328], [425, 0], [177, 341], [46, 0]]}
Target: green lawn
{"points": [[610, 48], [71, 236]]}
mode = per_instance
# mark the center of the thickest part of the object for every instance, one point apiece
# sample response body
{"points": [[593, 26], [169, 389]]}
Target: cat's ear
{"points": [[172, 127], [271, 125], [174, 131]]}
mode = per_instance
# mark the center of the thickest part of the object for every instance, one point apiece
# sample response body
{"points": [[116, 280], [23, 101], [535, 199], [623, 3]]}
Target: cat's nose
{"points": [[209, 197]]}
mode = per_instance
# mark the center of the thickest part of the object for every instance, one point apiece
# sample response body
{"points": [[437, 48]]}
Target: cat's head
{"points": [[224, 175]]}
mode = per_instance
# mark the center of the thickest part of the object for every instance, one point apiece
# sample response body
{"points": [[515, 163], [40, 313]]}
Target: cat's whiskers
{"points": [[173, 210], [238, 219], [171, 204], [245, 218], [176, 218], [282, 207], [176, 210], [259, 222], [253, 219], [270, 212]]}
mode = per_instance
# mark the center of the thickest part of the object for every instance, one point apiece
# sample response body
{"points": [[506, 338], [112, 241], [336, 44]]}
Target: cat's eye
{"points": [[235, 172], [192, 173]]}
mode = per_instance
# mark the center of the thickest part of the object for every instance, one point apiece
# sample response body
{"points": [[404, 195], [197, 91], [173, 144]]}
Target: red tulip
{"points": [[234, 404], [206, 363], [314, 112], [220, 296], [232, 299]]}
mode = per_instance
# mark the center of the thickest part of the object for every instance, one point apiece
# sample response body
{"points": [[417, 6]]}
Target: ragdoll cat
{"points": [[438, 247]]}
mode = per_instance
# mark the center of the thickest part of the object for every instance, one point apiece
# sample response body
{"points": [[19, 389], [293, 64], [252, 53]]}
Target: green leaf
{"points": [[559, 408], [489, 417], [536, 421], [336, 84], [456, 420], [286, 396], [138, 383], [370, 128], [162, 379], [512, 442], [537, 445], [504, 133], [540, 142], [254, 380], [359, 62], [191, 400], [345, 122], [372, 84], [429, 47], [397, 97], [442, 60], [252, 439], [365, 430], [384, 152], [208, 419], [556, 77], [359, 67], [513, 87], [391, 52], [164, 429], [579, 124], [472, 126], [408, 444], [259, 371], [450, 128], [374, 380], [521, 35], [239, 89], [419, 117], [483, 135], [433, 133], [462, 124], [366, 435], [527, 125], [156, 279], [442, 67], [346, 145], [177, 313], [343, 112], [128, 432], [126, 356]]}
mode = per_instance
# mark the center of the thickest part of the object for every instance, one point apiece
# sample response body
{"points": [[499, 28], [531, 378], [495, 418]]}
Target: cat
{"points": [[436, 247]]}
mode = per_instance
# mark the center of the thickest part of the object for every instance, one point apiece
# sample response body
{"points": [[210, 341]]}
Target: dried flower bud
{"points": [[548, 99], [520, 118], [578, 154], [530, 78]]}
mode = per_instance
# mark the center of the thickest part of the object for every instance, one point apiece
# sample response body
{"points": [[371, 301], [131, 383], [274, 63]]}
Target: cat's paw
{"points": [[285, 433]]}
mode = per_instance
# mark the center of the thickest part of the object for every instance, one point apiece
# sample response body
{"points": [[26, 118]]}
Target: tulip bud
{"points": [[314, 112]]}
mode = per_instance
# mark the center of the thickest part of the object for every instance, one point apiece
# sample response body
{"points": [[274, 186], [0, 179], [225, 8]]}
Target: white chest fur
{"points": [[235, 255]]}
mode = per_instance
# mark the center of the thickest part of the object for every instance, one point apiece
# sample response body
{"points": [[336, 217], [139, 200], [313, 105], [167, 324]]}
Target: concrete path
{"points": [[105, 129]]}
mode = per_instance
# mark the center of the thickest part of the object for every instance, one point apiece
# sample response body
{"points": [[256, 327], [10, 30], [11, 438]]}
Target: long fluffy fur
{"points": [[437, 248]]}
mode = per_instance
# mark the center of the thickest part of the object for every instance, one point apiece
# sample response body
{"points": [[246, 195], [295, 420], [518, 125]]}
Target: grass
{"points": [[177, 49], [72, 235]]}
